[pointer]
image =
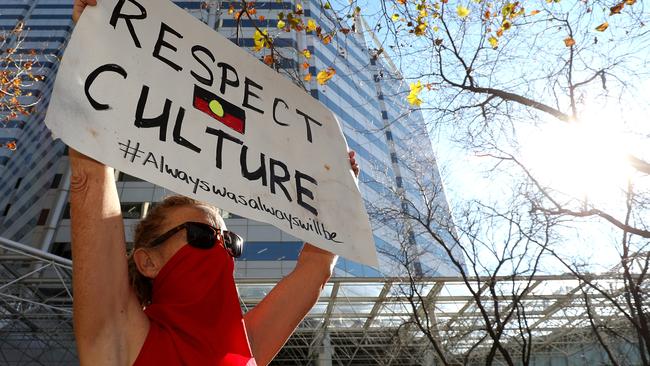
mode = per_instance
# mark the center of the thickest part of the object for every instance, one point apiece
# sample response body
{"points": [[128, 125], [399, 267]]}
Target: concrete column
{"points": [[214, 14], [325, 353]]}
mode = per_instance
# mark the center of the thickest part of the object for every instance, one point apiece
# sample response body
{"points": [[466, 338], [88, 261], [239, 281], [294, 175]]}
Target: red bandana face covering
{"points": [[194, 314]]}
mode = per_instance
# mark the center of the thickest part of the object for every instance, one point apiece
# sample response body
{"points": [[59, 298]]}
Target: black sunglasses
{"points": [[204, 236]]}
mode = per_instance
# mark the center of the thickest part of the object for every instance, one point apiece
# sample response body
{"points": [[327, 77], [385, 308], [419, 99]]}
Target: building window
{"points": [[66, 211], [56, 181], [230, 215], [42, 219], [18, 182], [389, 136], [7, 209], [131, 210], [418, 268], [393, 158]]}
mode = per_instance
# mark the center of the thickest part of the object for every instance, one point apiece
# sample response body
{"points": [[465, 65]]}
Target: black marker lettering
{"points": [[259, 173], [210, 79], [177, 132], [91, 79], [275, 107], [224, 77], [220, 136], [117, 14], [160, 121], [302, 191], [151, 158], [164, 28], [195, 182], [247, 84], [307, 120], [278, 179]]}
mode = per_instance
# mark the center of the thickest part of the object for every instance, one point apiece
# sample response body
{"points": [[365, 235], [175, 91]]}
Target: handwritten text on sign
{"points": [[148, 89]]}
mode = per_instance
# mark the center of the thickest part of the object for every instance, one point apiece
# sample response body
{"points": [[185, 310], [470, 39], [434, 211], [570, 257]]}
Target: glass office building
{"points": [[365, 94]]}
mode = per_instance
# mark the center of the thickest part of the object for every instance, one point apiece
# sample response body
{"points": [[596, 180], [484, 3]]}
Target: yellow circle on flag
{"points": [[216, 108]]}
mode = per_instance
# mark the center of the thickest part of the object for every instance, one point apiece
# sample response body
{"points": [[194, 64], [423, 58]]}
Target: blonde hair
{"points": [[149, 228]]}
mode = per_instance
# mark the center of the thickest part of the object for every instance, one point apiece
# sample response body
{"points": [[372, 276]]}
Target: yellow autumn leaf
{"points": [[323, 76], [260, 40], [413, 97], [493, 42], [630, 2], [534, 12], [507, 9], [298, 7], [306, 53], [462, 11], [420, 29], [311, 25], [602, 27], [395, 17], [569, 42], [281, 24], [308, 77]]}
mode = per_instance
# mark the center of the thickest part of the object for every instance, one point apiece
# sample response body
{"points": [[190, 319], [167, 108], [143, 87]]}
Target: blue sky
{"points": [[588, 159]]}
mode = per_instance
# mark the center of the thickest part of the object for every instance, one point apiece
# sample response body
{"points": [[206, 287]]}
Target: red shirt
{"points": [[195, 315]]}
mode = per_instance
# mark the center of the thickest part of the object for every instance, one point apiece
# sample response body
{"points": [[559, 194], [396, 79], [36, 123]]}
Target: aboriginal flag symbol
{"points": [[219, 109]]}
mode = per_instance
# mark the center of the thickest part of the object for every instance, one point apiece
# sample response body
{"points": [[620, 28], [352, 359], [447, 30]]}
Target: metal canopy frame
{"points": [[357, 321]]}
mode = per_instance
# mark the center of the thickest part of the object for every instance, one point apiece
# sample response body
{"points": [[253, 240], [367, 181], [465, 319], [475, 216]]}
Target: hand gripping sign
{"points": [[148, 89]]}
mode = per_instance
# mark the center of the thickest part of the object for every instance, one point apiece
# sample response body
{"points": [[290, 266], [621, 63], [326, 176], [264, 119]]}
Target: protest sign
{"points": [[148, 89]]}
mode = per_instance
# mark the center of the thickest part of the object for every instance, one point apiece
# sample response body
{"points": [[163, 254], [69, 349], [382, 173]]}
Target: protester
{"points": [[172, 301]]}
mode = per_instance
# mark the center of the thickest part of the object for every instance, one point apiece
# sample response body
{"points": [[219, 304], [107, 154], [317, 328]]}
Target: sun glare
{"points": [[583, 159]]}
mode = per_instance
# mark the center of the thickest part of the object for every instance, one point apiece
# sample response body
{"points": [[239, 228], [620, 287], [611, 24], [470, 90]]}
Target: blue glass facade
{"points": [[367, 97]]}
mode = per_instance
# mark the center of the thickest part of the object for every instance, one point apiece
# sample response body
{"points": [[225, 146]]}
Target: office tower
{"points": [[366, 94]]}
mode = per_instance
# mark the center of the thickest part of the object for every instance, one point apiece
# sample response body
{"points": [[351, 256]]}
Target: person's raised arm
{"points": [[274, 319], [103, 302]]}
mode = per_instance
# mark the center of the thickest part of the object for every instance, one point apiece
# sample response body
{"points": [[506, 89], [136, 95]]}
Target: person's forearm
{"points": [[82, 165], [273, 320]]}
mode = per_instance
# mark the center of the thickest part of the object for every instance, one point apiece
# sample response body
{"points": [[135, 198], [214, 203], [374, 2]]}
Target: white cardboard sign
{"points": [[148, 89]]}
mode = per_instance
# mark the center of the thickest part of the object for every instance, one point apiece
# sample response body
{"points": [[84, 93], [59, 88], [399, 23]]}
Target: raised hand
{"points": [[79, 6], [353, 163]]}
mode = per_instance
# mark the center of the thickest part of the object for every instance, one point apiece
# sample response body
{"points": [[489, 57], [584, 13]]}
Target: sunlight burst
{"points": [[585, 159]]}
